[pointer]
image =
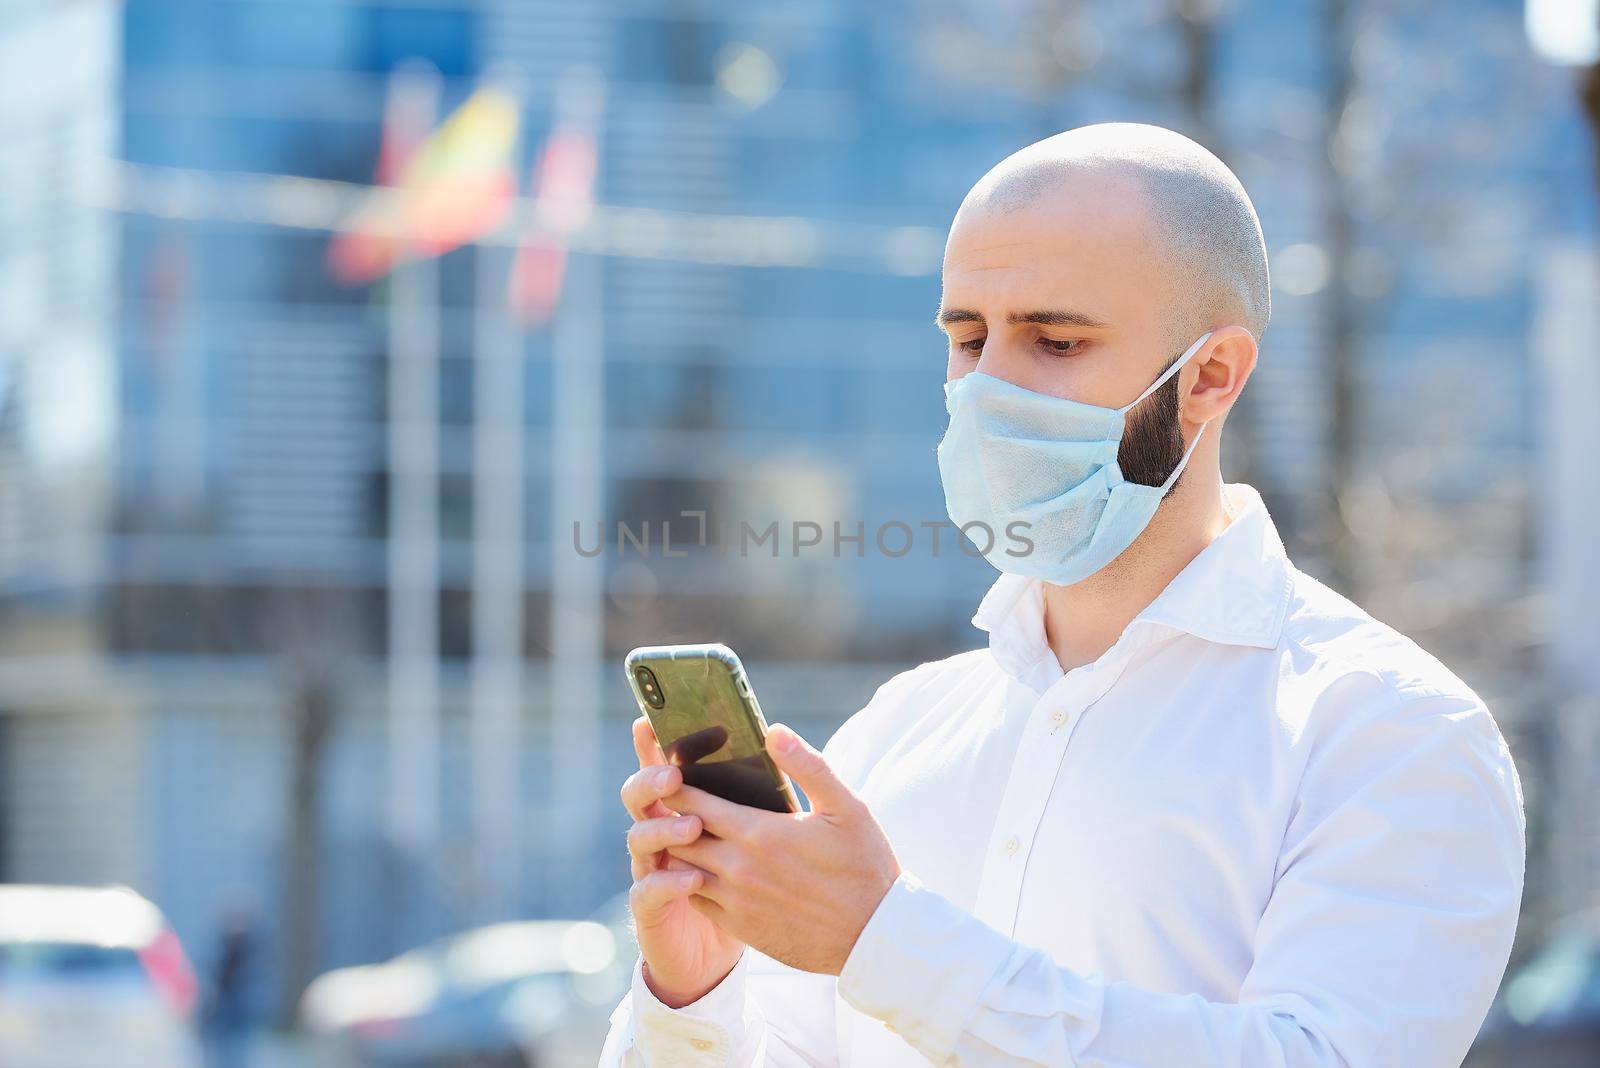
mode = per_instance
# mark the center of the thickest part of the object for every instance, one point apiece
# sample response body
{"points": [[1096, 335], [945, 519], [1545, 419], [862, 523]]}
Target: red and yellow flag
{"points": [[563, 190], [452, 188]]}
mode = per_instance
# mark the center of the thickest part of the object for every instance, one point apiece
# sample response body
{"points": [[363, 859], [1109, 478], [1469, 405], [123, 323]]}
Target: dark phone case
{"points": [[711, 725]]}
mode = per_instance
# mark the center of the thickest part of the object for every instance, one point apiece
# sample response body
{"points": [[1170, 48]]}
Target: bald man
{"points": [[1188, 807]]}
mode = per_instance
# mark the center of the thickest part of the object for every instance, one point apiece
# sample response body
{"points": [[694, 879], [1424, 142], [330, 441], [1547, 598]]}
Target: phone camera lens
{"points": [[650, 687]]}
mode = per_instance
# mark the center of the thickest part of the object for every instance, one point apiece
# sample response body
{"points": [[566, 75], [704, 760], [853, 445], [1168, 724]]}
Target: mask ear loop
{"points": [[1176, 471], [1169, 372]]}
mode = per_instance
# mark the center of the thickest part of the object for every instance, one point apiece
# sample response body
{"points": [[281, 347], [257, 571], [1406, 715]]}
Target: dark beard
{"points": [[1152, 438]]}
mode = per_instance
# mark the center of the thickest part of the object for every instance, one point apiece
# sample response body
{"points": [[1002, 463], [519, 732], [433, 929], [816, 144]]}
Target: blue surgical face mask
{"points": [[1025, 469]]}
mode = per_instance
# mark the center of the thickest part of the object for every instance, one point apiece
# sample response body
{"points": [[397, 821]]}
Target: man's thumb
{"points": [[809, 770]]}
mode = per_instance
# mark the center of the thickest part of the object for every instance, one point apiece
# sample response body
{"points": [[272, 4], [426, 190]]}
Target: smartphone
{"points": [[704, 712]]}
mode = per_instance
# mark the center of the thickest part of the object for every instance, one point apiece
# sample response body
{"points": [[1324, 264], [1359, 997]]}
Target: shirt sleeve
{"points": [[763, 1014], [1384, 939]]}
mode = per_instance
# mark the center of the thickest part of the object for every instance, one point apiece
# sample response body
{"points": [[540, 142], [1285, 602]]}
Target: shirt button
{"points": [[702, 1044], [1058, 717], [1011, 845]]}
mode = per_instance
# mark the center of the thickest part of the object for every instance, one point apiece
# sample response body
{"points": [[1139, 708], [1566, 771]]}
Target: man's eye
{"points": [[973, 347], [1061, 348]]}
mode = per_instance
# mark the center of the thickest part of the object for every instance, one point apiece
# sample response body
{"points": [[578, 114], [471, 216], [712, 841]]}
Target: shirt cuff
{"points": [[705, 1032], [921, 965]]}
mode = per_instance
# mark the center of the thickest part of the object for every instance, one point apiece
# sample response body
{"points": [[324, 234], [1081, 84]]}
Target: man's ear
{"points": [[1220, 370]]}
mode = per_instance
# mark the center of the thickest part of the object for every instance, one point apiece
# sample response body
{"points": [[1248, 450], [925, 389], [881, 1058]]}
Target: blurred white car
{"points": [[509, 995], [92, 977]]}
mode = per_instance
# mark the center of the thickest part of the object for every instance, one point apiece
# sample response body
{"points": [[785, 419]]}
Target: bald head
{"points": [[1195, 217]]}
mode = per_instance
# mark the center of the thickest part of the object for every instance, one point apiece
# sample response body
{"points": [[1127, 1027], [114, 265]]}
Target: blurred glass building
{"points": [[198, 477], [58, 419]]}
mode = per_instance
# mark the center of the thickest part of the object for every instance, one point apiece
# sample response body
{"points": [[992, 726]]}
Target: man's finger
{"points": [[796, 758], [710, 900], [706, 852], [649, 754], [648, 838], [642, 791], [721, 817], [645, 745], [661, 888]]}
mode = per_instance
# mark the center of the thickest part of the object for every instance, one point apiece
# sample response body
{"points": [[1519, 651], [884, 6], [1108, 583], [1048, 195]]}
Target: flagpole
{"points": [[179, 437], [498, 440], [577, 583], [413, 558], [413, 554]]}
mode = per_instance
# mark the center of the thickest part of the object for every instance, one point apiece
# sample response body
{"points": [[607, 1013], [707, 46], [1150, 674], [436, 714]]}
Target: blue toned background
{"points": [[198, 475]]}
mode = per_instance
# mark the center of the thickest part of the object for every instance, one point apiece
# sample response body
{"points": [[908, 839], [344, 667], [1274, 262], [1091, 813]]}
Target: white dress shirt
{"points": [[1261, 829]]}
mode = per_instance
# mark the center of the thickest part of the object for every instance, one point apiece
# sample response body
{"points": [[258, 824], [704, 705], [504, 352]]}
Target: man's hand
{"points": [[685, 954], [799, 887]]}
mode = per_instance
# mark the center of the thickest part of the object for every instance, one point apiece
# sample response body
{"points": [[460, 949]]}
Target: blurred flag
{"points": [[450, 189], [364, 250], [563, 191]]}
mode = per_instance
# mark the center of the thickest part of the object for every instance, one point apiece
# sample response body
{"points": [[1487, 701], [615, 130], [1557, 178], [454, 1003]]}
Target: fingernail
{"points": [[662, 776], [684, 824], [785, 740], [687, 878]]}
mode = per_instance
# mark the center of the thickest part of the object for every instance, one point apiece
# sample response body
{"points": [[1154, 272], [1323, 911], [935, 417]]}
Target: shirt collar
{"points": [[1235, 592]]}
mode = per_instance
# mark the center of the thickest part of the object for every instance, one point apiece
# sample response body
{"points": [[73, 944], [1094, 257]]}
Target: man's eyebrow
{"points": [[949, 316], [1056, 318]]}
